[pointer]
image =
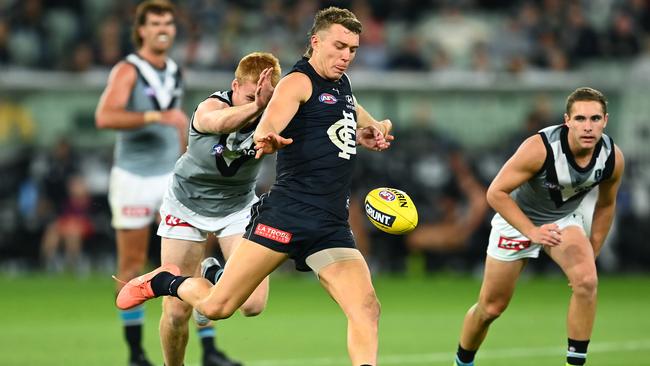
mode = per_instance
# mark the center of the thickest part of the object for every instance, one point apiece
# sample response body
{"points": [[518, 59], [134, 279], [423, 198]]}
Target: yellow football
{"points": [[391, 210]]}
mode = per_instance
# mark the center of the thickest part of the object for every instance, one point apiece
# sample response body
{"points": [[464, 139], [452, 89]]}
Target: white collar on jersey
{"points": [[164, 90]]}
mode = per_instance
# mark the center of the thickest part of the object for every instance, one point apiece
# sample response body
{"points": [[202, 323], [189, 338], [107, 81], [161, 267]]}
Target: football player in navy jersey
{"points": [[537, 196], [315, 124]]}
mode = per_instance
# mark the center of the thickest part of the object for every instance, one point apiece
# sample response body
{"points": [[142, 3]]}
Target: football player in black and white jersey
{"points": [[142, 103], [212, 191], [315, 124], [537, 197]]}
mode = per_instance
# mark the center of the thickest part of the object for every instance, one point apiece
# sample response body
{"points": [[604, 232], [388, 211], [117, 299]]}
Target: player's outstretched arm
{"points": [[214, 116], [293, 90], [521, 167], [606, 204]]}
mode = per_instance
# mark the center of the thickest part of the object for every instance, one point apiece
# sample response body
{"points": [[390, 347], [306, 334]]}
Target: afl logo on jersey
{"points": [[149, 91], [327, 98], [217, 150]]}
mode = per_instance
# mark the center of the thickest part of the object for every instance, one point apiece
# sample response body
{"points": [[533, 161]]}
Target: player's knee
{"points": [[492, 310], [217, 310], [585, 285], [176, 313], [253, 308], [369, 309], [374, 308]]}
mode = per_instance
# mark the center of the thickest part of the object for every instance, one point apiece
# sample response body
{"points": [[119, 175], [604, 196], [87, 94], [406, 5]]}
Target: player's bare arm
{"points": [[214, 116], [290, 93], [372, 134], [520, 168], [606, 204], [111, 111]]}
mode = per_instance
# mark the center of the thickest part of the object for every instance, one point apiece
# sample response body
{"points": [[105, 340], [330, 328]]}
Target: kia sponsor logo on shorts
{"points": [[175, 221], [327, 98], [513, 244], [273, 233], [136, 211]]}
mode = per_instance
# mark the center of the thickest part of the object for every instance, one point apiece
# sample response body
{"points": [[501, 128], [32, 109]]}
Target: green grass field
{"points": [[66, 321]]}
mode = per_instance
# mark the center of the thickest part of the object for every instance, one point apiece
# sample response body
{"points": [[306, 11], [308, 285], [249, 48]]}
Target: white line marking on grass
{"points": [[446, 357]]}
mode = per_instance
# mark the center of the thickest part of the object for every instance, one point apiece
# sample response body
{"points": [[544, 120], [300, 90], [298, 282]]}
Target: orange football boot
{"points": [[139, 290]]}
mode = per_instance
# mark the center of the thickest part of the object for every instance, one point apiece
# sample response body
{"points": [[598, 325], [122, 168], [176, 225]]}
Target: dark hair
{"points": [[333, 15], [150, 6], [585, 94]]}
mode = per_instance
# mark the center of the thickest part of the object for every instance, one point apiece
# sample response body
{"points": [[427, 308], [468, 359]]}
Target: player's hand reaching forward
{"points": [[548, 234], [372, 138], [264, 89], [270, 143]]}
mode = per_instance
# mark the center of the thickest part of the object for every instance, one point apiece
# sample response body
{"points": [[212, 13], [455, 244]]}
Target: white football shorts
{"points": [[135, 199], [179, 222], [508, 244]]}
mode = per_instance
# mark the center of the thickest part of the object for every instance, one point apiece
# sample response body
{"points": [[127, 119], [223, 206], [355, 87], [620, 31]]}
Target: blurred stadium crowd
{"points": [[422, 35], [54, 196]]}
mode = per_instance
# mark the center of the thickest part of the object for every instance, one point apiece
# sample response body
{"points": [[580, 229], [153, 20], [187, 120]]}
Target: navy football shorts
{"points": [[286, 225]]}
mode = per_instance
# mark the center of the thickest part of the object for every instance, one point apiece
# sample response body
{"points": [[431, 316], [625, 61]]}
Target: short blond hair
{"points": [[253, 64]]}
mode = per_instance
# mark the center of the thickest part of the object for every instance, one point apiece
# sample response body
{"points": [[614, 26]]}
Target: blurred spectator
{"points": [[408, 56], [81, 58], [28, 42], [375, 52], [69, 229], [549, 53], [481, 60], [459, 35], [622, 39], [640, 10], [455, 33], [539, 116], [54, 168], [16, 124], [4, 42], [580, 39], [109, 42]]}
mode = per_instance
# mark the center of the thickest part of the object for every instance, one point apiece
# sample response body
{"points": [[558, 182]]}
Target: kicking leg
{"points": [[247, 267]]}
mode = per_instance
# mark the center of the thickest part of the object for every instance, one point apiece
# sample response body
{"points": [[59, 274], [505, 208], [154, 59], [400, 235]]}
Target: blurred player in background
{"points": [[305, 215], [213, 189], [537, 196], [142, 101]]}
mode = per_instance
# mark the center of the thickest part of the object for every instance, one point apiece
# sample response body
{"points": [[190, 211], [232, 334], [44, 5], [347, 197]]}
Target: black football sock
{"points": [[133, 335], [166, 284], [207, 335], [577, 352], [213, 274], [464, 355]]}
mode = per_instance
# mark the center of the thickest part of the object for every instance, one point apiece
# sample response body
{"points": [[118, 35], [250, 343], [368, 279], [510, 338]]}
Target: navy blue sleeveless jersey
{"points": [[317, 167]]}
